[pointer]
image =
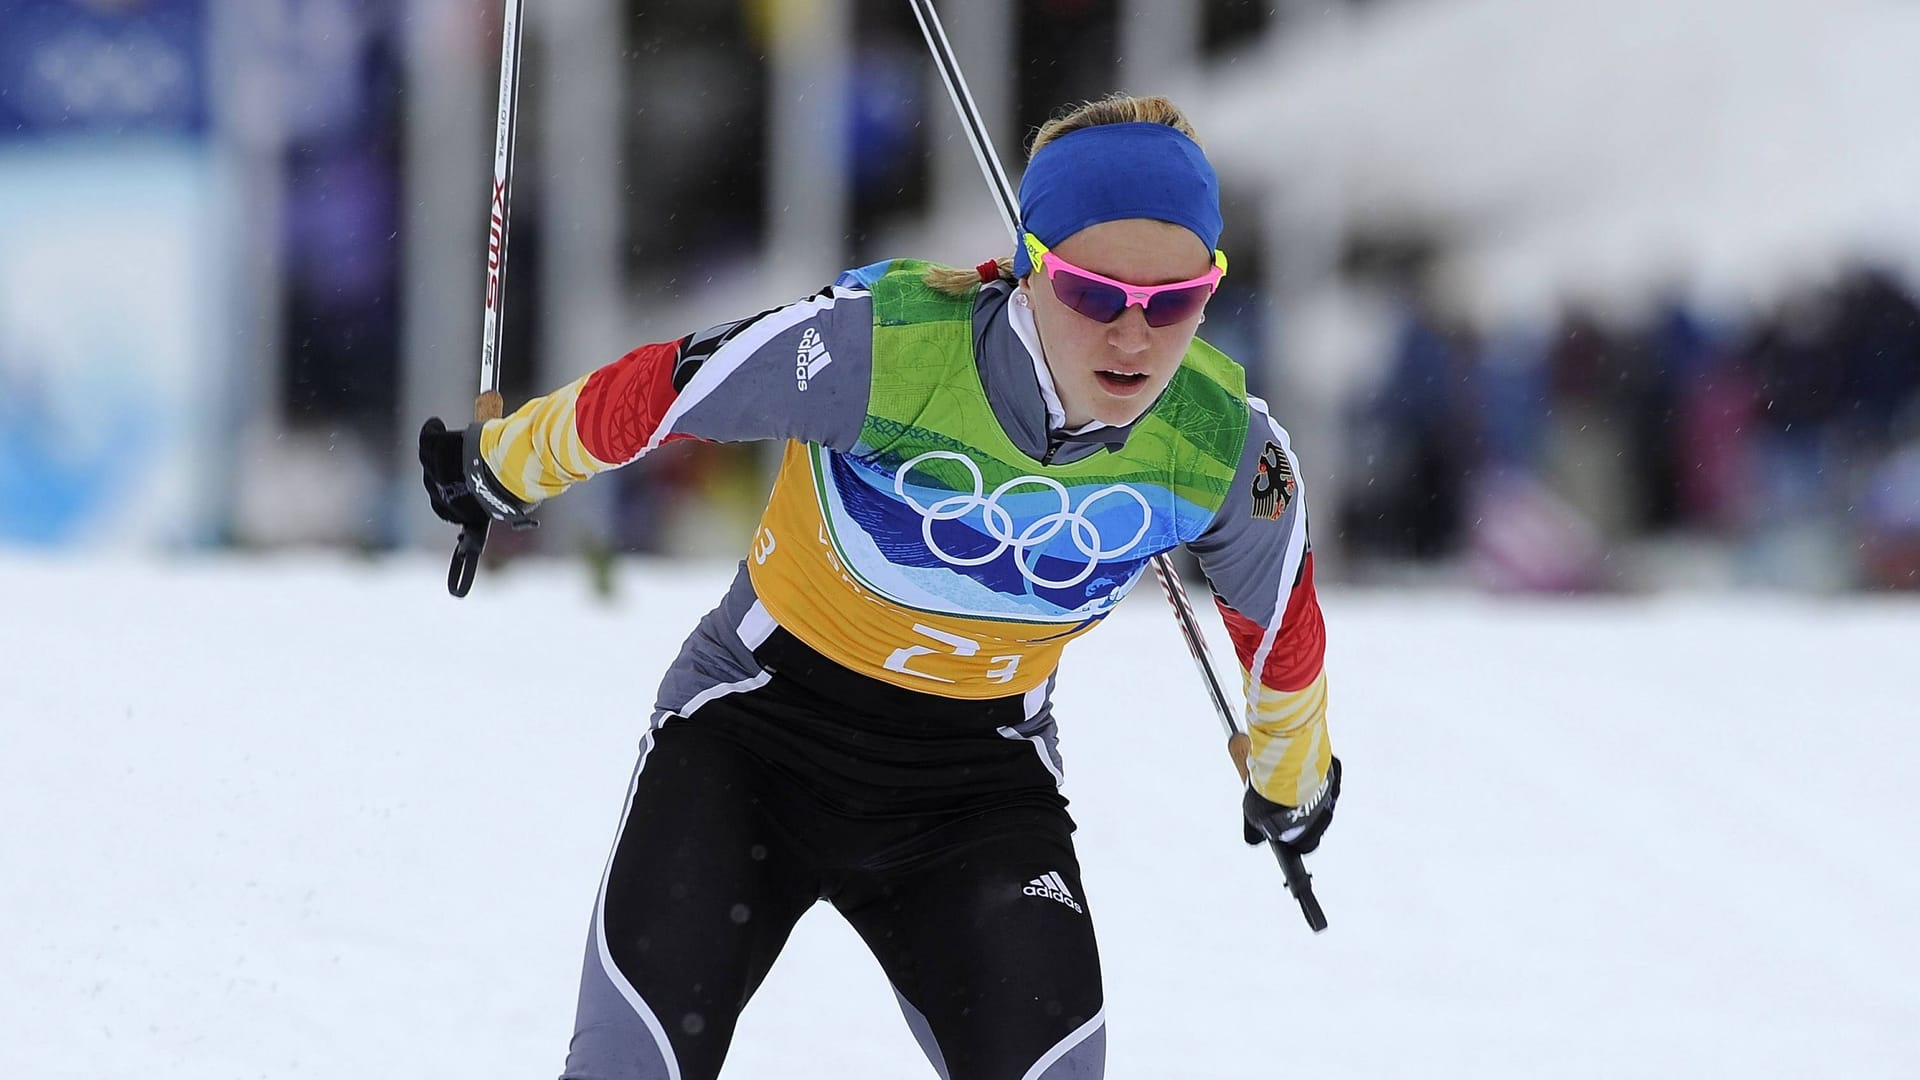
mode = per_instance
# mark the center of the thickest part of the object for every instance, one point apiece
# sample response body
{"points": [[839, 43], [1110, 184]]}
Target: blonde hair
{"points": [[1115, 108]]}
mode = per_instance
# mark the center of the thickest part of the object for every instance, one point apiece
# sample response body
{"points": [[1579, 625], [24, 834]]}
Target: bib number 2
{"points": [[1003, 669]]}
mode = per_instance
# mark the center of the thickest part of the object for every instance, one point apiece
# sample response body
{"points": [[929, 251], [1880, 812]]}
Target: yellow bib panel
{"points": [[815, 594]]}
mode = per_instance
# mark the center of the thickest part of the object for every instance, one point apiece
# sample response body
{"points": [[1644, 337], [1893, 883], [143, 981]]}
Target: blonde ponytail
{"points": [[958, 281]]}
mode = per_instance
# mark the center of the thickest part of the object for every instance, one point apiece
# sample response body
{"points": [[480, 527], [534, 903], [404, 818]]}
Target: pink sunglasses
{"points": [[1102, 298]]}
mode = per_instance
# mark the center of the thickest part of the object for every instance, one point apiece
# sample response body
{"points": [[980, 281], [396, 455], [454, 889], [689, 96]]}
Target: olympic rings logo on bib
{"points": [[999, 523]]}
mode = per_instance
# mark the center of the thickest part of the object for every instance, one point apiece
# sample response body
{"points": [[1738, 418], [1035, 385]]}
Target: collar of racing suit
{"points": [[1006, 346]]}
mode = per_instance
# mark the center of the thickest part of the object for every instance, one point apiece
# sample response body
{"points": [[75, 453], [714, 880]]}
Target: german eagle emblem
{"points": [[1273, 484]]}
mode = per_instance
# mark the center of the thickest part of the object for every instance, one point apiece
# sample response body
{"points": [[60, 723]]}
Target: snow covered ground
{"points": [[300, 818]]}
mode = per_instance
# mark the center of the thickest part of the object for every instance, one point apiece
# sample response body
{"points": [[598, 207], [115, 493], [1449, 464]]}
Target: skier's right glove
{"points": [[462, 489], [1296, 828]]}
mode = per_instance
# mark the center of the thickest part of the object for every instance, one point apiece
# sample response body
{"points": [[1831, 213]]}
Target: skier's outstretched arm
{"points": [[1258, 558], [801, 371]]}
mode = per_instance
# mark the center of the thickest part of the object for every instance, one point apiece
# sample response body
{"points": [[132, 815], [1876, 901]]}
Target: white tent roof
{"points": [[1597, 145]]}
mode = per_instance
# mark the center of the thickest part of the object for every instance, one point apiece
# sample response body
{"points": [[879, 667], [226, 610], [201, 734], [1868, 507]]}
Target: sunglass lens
{"points": [[1096, 300], [1177, 305]]}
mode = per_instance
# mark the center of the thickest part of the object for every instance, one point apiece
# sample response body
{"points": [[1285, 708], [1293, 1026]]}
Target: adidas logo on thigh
{"points": [[1052, 887]]}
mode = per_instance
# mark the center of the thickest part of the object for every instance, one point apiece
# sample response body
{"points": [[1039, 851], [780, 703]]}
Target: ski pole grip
{"points": [[1292, 866], [1238, 747], [473, 538]]}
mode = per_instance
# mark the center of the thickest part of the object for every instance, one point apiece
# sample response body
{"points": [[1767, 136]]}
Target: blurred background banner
{"points": [[1555, 295], [104, 67], [111, 286]]}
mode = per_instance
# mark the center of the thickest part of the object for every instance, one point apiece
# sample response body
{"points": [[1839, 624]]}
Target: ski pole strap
{"points": [[466, 558]]}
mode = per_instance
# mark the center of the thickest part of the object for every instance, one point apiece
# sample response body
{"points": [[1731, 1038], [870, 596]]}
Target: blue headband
{"points": [[1115, 171]]}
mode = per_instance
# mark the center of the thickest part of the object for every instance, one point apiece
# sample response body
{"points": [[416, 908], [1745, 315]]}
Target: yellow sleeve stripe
{"points": [[536, 452], [1290, 753]]}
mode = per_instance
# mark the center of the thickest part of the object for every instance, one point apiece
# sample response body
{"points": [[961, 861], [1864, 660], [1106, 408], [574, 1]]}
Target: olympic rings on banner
{"points": [[1000, 525]]}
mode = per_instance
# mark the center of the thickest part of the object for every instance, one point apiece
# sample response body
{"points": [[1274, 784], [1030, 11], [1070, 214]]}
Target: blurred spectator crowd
{"points": [[1672, 448]]}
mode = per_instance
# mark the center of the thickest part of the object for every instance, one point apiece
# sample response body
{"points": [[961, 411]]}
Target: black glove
{"points": [[1296, 828], [459, 485]]}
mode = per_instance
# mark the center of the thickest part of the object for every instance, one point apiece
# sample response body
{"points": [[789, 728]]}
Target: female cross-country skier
{"points": [[978, 466]]}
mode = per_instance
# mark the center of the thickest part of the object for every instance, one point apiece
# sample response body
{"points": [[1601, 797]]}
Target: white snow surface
{"points": [[310, 817]]}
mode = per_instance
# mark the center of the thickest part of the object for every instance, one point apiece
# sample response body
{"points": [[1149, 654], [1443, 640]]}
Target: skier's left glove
{"points": [[1296, 828], [461, 488]]}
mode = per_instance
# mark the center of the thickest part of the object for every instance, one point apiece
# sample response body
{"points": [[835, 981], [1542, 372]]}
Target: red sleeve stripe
{"points": [[1297, 651], [622, 404], [1242, 631]]}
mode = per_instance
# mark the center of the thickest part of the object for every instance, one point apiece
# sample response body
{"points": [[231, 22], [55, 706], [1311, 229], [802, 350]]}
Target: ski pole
{"points": [[488, 406], [1292, 866]]}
